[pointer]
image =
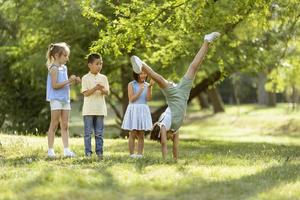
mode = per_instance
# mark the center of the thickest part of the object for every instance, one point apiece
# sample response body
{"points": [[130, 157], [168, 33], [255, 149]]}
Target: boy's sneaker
{"points": [[89, 154], [51, 153], [136, 64], [212, 36], [69, 153], [100, 156]]}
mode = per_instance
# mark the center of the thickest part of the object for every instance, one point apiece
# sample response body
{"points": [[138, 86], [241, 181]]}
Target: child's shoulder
{"points": [[102, 75], [86, 76], [52, 66], [132, 82]]}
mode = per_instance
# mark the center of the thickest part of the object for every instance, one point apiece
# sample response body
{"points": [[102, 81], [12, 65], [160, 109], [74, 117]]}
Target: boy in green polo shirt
{"points": [[94, 88], [176, 95]]}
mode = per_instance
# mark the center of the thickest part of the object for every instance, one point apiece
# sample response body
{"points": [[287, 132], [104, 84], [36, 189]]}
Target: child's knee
{"points": [[64, 127], [54, 126], [132, 134], [140, 135], [99, 135]]}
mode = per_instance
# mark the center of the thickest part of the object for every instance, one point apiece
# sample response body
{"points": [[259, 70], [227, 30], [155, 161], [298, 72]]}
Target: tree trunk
{"points": [[216, 100], [2, 119], [271, 99], [295, 97], [124, 80], [203, 100], [262, 96]]}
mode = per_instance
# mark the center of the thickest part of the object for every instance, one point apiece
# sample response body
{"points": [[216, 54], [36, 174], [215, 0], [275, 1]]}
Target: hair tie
{"points": [[51, 46]]}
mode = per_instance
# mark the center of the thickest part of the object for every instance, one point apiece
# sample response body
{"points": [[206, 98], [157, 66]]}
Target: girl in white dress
{"points": [[137, 118]]}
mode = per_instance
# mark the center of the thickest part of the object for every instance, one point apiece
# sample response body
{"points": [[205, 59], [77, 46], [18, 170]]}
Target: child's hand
{"points": [[77, 80], [99, 87], [72, 79]]}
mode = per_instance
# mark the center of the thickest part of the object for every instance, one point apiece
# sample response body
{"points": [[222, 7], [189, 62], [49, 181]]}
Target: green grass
{"points": [[246, 153]]}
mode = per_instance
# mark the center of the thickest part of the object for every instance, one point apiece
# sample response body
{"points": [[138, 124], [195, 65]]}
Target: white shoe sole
{"points": [[136, 64], [212, 36]]}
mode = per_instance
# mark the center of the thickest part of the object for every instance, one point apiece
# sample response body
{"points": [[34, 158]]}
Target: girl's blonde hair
{"points": [[56, 48]]}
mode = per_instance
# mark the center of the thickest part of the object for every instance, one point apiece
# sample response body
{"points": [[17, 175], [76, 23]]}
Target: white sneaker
{"points": [[212, 36], [69, 153], [132, 156], [51, 153], [136, 64], [139, 156]]}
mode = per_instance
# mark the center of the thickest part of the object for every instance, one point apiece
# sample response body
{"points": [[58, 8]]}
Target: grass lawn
{"points": [[248, 152]]}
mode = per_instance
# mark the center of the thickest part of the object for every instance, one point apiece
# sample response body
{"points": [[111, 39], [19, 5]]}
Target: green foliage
{"points": [[256, 37], [164, 33], [29, 27], [167, 34]]}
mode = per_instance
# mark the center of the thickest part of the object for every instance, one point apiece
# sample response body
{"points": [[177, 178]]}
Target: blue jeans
{"points": [[96, 124]]}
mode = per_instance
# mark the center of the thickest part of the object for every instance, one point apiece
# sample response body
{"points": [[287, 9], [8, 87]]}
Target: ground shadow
{"points": [[242, 188]]}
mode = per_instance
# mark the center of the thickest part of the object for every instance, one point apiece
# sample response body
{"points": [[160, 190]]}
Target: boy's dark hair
{"points": [[155, 133], [136, 76], [93, 56]]}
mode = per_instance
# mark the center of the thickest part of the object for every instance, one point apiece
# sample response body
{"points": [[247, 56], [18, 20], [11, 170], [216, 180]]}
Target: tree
{"points": [[164, 33], [28, 28]]}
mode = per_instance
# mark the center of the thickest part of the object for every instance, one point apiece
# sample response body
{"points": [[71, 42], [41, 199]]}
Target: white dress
{"points": [[138, 115]]}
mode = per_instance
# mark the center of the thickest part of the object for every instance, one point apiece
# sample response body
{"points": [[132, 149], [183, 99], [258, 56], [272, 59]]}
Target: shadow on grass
{"points": [[103, 181], [290, 128], [20, 160], [197, 148], [243, 188], [70, 185]]}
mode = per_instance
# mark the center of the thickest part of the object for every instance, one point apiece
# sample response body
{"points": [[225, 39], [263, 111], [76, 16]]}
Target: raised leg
{"points": [[159, 79], [198, 59]]}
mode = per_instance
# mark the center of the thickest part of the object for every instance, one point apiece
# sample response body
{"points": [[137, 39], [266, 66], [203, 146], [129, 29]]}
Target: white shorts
{"points": [[166, 119], [59, 105]]}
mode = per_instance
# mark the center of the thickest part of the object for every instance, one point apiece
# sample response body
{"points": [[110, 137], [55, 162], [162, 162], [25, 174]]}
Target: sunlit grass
{"points": [[251, 155]]}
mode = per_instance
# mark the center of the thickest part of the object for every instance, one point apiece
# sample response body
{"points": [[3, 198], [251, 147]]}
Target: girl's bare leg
{"points": [[198, 59], [131, 141], [194, 66], [140, 135], [55, 116], [160, 80], [64, 126]]}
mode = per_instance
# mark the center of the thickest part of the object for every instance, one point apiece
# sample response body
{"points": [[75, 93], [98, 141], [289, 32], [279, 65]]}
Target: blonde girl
{"points": [[58, 94]]}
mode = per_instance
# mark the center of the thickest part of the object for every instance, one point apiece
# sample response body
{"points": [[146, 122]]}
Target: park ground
{"points": [[249, 152]]}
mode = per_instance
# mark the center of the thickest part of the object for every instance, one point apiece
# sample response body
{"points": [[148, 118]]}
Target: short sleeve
{"points": [[84, 85], [106, 85]]}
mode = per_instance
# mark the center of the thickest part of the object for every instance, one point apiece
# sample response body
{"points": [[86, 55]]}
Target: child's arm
{"points": [[105, 89], [55, 84], [91, 91], [131, 96], [85, 88], [149, 92], [175, 145], [163, 141]]}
